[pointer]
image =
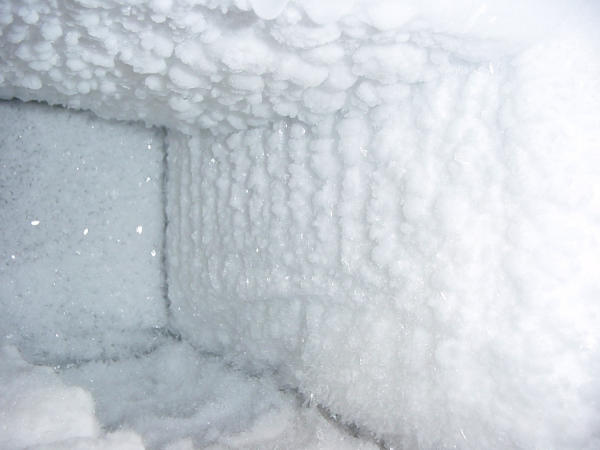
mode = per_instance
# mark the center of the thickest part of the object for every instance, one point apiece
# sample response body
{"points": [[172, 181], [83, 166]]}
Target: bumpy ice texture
{"points": [[393, 204]]}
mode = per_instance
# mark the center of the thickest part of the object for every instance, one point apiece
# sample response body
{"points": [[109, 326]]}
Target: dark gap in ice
{"points": [[349, 428]]}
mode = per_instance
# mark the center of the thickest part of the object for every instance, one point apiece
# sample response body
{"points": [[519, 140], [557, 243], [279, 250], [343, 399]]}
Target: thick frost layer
{"points": [[216, 65], [395, 204], [430, 268]]}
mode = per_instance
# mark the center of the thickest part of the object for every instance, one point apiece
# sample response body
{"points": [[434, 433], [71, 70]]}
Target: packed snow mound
{"points": [[394, 205], [40, 412]]}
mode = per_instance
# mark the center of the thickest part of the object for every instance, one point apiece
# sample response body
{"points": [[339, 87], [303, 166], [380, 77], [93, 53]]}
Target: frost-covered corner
{"points": [[395, 205]]}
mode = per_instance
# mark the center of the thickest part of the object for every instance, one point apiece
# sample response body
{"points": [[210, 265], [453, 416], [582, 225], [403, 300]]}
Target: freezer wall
{"points": [[392, 205], [426, 273]]}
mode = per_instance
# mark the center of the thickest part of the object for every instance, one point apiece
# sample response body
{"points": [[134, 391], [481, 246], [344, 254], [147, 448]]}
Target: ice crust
{"points": [[394, 206]]}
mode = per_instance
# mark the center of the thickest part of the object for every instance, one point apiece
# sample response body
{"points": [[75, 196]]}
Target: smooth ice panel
{"points": [[81, 271]]}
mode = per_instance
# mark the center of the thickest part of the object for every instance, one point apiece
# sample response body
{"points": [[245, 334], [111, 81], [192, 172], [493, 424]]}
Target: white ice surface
{"points": [[391, 206]]}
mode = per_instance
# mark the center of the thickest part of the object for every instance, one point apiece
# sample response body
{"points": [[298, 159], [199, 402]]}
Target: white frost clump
{"points": [[39, 412], [394, 205]]}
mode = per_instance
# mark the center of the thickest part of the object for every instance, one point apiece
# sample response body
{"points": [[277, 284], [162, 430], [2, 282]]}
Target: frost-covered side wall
{"points": [[393, 204], [427, 273]]}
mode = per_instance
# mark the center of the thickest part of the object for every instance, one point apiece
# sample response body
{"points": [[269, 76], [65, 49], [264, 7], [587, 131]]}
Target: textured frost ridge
{"points": [[216, 65], [394, 205]]}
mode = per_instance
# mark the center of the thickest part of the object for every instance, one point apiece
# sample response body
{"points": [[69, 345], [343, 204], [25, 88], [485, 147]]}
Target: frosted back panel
{"points": [[82, 221]]}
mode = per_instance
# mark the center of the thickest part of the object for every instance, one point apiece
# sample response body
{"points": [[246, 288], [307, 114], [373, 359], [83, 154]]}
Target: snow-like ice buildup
{"points": [[393, 204], [40, 412]]}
